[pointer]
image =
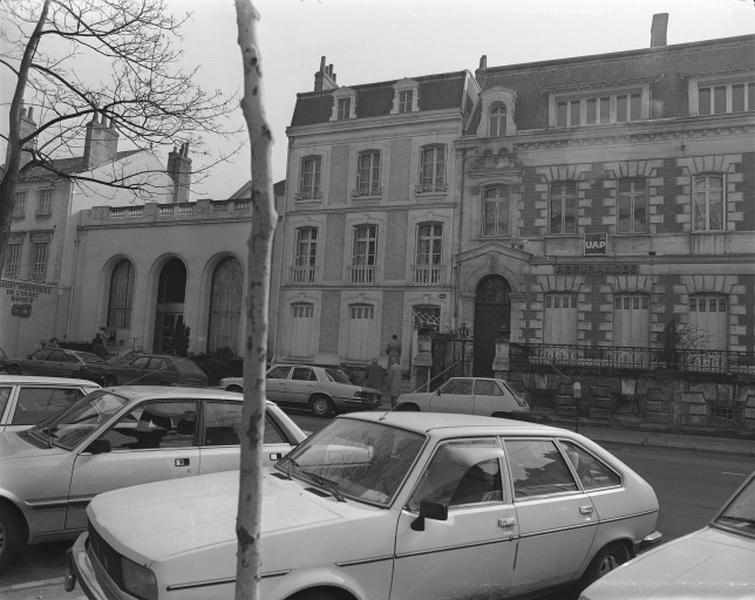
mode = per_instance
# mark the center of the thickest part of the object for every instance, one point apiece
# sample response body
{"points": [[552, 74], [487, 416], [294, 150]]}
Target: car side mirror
{"points": [[99, 446], [437, 511]]}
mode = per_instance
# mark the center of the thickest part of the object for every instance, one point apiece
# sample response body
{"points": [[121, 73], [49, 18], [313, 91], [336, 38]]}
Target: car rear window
{"points": [[188, 366], [337, 376], [537, 468]]}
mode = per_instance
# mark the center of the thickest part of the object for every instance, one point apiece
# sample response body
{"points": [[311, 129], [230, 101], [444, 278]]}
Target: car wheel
{"points": [[234, 388], [408, 407], [313, 595], [605, 561], [11, 536], [320, 406], [13, 370]]}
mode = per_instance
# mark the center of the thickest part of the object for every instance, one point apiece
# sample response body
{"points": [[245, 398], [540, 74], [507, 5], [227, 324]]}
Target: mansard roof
{"points": [[436, 92]]}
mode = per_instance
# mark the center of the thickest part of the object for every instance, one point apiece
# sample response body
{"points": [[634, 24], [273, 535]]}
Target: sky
{"points": [[370, 41]]}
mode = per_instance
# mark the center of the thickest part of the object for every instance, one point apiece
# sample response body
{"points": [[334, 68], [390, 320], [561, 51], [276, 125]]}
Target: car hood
{"points": [[156, 521], [14, 446], [709, 563]]}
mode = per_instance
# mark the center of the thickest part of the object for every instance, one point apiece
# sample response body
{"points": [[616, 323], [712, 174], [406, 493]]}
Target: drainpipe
{"points": [[457, 266], [74, 260]]}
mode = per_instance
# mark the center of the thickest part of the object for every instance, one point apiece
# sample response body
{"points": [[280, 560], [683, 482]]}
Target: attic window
{"points": [[405, 97], [344, 105]]}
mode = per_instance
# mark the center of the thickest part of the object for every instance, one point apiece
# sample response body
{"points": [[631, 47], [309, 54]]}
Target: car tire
{"points": [[320, 405], [605, 561], [11, 535]]}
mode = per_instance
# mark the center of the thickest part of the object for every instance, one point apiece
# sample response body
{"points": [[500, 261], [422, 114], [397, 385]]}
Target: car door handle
{"points": [[507, 522], [586, 509], [181, 462]]}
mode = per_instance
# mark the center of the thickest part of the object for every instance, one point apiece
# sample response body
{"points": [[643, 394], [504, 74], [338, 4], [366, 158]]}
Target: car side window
{"points": [[458, 386], [36, 404], [70, 358], [154, 424], [43, 354], [462, 472], [158, 364], [278, 373], [485, 387], [537, 468], [223, 422], [57, 355], [592, 473], [302, 374], [4, 395], [140, 362]]}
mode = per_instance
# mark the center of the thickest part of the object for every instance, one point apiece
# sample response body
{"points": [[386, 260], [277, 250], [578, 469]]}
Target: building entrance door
{"points": [[492, 312], [169, 312]]}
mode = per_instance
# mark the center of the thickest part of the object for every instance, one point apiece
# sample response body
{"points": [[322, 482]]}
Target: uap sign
{"points": [[595, 244]]}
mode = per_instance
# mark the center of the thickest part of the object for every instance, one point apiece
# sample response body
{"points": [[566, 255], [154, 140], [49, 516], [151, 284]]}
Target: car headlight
{"points": [[138, 580]]}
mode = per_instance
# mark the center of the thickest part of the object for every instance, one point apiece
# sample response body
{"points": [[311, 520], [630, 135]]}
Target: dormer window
{"points": [[344, 105], [497, 122], [405, 97], [497, 113]]}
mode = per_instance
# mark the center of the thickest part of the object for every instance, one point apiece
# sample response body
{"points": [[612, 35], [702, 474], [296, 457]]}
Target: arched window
{"points": [[225, 305], [497, 120], [121, 295]]}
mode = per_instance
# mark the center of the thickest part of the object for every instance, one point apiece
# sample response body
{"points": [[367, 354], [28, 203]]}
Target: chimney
{"points": [[27, 125], [325, 79], [179, 169], [101, 142], [658, 30]]}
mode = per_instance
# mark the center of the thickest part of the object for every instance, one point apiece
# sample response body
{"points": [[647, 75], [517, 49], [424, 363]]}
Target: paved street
{"points": [[690, 484]]}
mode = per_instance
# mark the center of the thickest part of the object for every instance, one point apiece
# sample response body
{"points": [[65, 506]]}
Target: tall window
{"points": [[364, 254], [596, 110], [433, 170], [344, 109], [631, 320], [302, 333], [405, 100], [368, 173], [225, 305], [19, 204], [709, 321], [121, 295], [44, 207], [632, 206], [708, 203], [305, 255], [496, 205], [428, 269], [12, 261], [39, 264], [560, 323], [497, 122], [563, 214], [362, 335], [309, 181]]}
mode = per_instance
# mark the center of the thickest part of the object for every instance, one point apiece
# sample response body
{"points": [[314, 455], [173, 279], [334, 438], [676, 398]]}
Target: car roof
{"points": [[43, 380], [453, 423], [156, 392]]}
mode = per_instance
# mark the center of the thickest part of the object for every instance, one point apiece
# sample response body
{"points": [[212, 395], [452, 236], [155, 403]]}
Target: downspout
{"points": [[74, 259], [457, 266]]}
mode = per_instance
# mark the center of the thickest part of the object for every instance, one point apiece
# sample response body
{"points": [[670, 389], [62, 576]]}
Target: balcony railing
{"points": [[304, 275], [363, 274], [429, 275], [692, 360]]}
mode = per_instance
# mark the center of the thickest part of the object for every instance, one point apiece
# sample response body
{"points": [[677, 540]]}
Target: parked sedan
{"points": [[469, 395], [323, 390], [59, 362], [154, 369], [717, 561], [382, 505], [116, 437], [26, 400]]}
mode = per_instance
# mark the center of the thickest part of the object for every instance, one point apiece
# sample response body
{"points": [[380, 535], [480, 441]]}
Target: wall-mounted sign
{"points": [[596, 270], [596, 243], [23, 294]]}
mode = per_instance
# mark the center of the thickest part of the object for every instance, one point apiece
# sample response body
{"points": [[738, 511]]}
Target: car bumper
{"points": [[356, 404], [649, 540], [80, 569]]}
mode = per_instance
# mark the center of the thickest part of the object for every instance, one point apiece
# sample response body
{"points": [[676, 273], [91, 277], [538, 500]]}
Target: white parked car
{"points": [[112, 438], [486, 396], [382, 506], [323, 390], [26, 400], [717, 561]]}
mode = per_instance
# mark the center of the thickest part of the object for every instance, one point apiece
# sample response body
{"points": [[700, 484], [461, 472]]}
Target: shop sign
{"points": [[22, 295], [596, 270], [596, 243]]}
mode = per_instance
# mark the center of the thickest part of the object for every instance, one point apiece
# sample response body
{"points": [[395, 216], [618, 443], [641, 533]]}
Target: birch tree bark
{"points": [[249, 515]]}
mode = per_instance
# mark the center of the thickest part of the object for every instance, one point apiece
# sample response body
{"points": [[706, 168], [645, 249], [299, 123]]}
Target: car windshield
{"points": [[68, 428], [90, 358], [337, 376], [739, 513], [355, 459]]}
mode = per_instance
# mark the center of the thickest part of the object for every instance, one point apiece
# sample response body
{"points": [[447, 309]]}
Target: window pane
{"points": [[751, 97], [738, 98], [574, 113], [36, 404], [605, 110], [636, 107], [592, 472], [561, 114], [154, 425], [719, 100], [222, 423], [537, 468], [704, 101], [621, 108], [592, 110], [625, 214]]}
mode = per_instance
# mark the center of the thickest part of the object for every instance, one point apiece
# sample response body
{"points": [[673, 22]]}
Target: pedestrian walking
{"points": [[394, 381], [393, 350], [374, 375]]}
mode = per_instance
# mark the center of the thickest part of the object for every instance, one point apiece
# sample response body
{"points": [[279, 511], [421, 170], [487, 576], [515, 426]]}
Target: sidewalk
{"points": [[48, 589]]}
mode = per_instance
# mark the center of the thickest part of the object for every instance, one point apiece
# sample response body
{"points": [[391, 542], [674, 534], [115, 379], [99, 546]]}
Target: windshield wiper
{"points": [[329, 485], [736, 519], [287, 472], [49, 434]]}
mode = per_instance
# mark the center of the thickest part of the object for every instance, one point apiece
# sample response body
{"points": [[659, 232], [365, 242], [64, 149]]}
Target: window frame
{"points": [[563, 199], [369, 173], [19, 204], [497, 115], [12, 266], [632, 196], [502, 204], [40, 254], [310, 183], [305, 254], [432, 168], [706, 191]]}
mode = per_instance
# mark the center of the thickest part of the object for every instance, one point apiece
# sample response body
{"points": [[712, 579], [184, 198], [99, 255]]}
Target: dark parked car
{"points": [[154, 369], [3, 359], [59, 362]]}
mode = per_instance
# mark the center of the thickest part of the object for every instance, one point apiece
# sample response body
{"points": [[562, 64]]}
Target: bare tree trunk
{"points": [[249, 515]]}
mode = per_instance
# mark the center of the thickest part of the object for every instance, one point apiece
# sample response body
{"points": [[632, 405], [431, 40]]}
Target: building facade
{"points": [[599, 209]]}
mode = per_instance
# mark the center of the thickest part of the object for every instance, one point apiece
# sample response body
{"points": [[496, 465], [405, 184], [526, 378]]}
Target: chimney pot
{"points": [[484, 61], [658, 30]]}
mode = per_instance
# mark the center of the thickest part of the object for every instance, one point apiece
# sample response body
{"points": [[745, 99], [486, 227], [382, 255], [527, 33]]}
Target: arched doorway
{"points": [[226, 300], [492, 311], [171, 293]]}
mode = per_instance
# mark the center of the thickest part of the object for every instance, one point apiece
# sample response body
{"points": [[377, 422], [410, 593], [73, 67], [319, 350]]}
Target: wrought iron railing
{"points": [[692, 360]]}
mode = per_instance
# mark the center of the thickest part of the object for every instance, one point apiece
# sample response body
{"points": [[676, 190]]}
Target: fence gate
{"points": [[452, 355]]}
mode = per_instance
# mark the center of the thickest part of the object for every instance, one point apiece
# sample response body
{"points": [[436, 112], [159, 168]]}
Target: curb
{"points": [[18, 587]]}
